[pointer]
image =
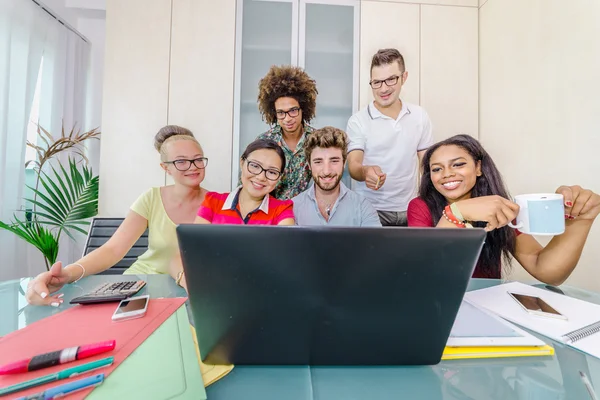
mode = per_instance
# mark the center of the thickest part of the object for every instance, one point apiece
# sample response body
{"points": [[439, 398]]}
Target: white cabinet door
{"points": [[385, 25], [449, 89], [318, 35], [328, 51], [264, 38]]}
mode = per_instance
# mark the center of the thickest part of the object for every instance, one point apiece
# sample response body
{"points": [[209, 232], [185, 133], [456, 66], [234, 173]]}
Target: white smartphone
{"points": [[536, 306], [130, 308]]}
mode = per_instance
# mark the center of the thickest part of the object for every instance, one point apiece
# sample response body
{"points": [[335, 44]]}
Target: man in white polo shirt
{"points": [[387, 140]]}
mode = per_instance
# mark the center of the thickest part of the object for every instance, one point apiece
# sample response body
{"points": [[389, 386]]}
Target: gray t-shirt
{"points": [[350, 209]]}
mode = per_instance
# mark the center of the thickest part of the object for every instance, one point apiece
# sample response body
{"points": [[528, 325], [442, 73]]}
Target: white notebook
{"points": [[476, 327], [581, 330]]}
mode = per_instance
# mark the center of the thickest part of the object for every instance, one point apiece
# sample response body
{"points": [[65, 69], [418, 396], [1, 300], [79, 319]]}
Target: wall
{"points": [[162, 75], [174, 73], [540, 79], [135, 99], [518, 75], [201, 81], [94, 29], [440, 48]]}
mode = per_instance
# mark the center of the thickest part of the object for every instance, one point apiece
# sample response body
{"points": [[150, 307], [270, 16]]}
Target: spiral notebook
{"points": [[581, 330]]}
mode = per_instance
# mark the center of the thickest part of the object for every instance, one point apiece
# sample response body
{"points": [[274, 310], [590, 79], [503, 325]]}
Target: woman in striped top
{"points": [[251, 203]]}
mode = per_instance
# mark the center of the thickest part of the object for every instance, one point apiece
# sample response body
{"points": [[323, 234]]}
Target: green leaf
{"points": [[62, 185], [56, 193], [35, 235], [66, 209], [69, 182], [55, 201], [53, 211]]}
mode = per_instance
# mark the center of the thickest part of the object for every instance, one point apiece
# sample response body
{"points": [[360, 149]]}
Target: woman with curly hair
{"points": [[287, 99]]}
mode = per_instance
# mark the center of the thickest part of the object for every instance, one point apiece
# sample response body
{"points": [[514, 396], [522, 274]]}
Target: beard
{"points": [[327, 186]]}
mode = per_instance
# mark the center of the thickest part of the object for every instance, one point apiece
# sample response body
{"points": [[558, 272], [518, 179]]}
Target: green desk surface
{"points": [[164, 366], [543, 378]]}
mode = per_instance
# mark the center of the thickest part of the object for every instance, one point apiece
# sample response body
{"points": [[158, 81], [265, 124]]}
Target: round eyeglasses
{"points": [[292, 112], [184, 165], [256, 169], [391, 81]]}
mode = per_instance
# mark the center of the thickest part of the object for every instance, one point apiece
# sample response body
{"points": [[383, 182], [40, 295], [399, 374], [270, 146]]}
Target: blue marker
{"points": [[67, 388]]}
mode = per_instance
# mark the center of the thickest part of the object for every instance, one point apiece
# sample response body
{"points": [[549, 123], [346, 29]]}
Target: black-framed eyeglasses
{"points": [[256, 169], [184, 165], [391, 81], [292, 112]]}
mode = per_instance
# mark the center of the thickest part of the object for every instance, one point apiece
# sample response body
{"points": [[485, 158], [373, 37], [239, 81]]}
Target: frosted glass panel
{"points": [[329, 59], [266, 41]]}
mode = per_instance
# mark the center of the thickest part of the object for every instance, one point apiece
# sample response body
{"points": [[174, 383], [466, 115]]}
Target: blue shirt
{"points": [[350, 209]]}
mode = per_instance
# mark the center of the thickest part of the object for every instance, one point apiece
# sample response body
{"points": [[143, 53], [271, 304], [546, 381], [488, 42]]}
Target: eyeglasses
{"points": [[292, 112], [256, 169], [184, 165], [391, 81]]}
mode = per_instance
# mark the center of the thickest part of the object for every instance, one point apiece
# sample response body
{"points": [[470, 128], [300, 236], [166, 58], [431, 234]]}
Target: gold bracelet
{"points": [[178, 279]]}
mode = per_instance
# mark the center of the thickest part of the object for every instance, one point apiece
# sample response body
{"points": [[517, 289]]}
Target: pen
{"points": [[66, 389], [588, 386], [377, 185], [64, 374], [57, 357]]}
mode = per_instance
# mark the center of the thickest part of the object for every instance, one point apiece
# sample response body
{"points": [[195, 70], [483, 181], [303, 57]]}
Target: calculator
{"points": [[110, 292]]}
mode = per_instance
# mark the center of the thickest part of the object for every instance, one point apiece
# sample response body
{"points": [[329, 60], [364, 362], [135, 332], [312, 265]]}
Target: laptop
{"points": [[289, 295]]}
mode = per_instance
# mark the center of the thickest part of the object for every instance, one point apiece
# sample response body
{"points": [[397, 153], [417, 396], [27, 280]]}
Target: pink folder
{"points": [[77, 326]]}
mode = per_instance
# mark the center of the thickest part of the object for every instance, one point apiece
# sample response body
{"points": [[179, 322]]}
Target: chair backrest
{"points": [[101, 229]]}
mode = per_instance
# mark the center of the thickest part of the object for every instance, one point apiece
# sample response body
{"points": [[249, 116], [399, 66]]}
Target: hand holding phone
{"points": [[536, 306], [130, 308]]}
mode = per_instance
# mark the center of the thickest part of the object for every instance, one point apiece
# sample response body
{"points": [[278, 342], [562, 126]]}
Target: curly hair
{"points": [[327, 137], [287, 81]]}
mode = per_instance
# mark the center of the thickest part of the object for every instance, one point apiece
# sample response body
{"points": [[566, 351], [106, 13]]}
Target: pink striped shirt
{"points": [[223, 208]]}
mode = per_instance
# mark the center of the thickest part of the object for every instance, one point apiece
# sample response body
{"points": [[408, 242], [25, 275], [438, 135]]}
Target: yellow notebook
{"points": [[478, 333], [458, 353], [210, 373]]}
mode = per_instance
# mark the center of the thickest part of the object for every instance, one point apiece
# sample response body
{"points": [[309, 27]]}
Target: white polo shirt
{"points": [[392, 145]]}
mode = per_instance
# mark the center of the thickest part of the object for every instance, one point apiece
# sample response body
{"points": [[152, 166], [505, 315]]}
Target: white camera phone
{"points": [[536, 306], [130, 308]]}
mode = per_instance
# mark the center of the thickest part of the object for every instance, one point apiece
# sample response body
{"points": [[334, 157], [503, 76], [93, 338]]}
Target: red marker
{"points": [[57, 357]]}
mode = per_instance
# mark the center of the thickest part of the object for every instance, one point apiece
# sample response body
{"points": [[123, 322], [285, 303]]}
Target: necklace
{"points": [[327, 207]]}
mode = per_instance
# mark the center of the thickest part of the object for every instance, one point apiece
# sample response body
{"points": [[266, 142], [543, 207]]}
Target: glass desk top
{"points": [[530, 378]]}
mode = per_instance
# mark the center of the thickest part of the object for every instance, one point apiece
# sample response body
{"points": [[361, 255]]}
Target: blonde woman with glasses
{"points": [[159, 209]]}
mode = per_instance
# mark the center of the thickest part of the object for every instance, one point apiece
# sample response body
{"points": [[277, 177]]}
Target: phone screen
{"points": [[534, 304], [131, 305]]}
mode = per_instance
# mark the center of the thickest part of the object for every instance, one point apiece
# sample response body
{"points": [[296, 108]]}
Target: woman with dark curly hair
{"points": [[287, 100]]}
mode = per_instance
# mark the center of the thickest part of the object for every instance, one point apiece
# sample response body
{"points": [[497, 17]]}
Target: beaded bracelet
{"points": [[455, 213], [447, 213]]}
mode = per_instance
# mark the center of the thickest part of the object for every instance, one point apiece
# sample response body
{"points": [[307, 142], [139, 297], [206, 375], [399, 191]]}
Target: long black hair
{"points": [[499, 242]]}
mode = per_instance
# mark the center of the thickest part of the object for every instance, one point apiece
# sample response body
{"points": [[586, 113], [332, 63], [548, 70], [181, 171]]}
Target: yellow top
{"points": [[162, 239]]}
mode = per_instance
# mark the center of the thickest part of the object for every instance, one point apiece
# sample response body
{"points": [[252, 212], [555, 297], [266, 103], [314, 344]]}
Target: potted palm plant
{"points": [[64, 197]]}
